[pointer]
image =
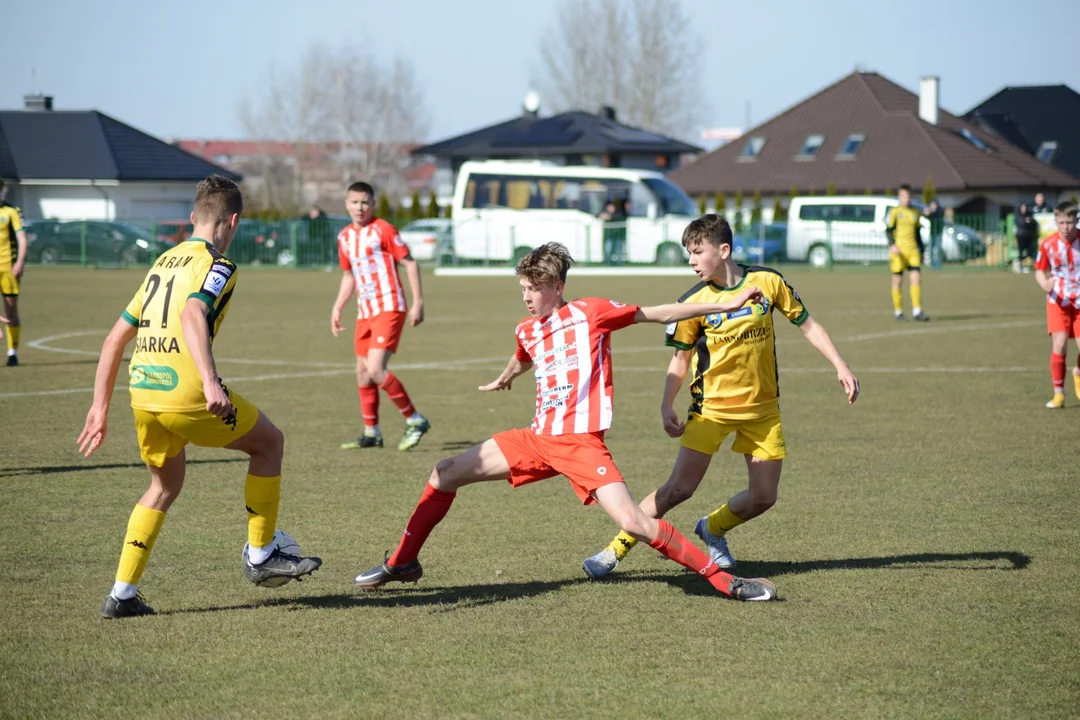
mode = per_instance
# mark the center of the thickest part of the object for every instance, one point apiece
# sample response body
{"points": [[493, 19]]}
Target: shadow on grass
{"points": [[83, 467], [459, 445], [449, 599]]}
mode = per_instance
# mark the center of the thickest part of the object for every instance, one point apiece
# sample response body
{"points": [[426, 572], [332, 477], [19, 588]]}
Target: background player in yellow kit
{"points": [[904, 230], [12, 259], [734, 390], [178, 398]]}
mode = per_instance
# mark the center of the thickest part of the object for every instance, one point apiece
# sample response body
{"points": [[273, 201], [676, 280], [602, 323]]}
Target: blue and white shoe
{"points": [[717, 544], [600, 564]]}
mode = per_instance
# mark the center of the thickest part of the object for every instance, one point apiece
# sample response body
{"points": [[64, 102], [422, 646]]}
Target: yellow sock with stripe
{"points": [[142, 530], [11, 333], [262, 495], [622, 544], [916, 298], [722, 520], [897, 301]]}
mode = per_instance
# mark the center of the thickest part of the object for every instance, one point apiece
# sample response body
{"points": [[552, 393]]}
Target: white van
{"points": [[502, 209], [824, 229]]}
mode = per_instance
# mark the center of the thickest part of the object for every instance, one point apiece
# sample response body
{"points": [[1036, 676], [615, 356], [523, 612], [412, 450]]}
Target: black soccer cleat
{"points": [[752, 590], [114, 608], [920, 317], [364, 441], [280, 568], [12, 360], [385, 573]]}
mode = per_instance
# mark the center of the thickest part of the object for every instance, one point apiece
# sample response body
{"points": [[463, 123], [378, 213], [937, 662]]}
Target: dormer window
{"points": [[852, 145], [753, 148], [970, 137], [810, 148], [1046, 151]]}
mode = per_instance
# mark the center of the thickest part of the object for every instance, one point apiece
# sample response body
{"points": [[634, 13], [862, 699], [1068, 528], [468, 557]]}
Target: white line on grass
{"points": [[497, 361]]}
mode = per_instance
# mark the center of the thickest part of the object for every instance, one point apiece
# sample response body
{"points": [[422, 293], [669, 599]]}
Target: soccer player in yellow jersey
{"points": [[12, 261], [178, 398], [732, 360], [904, 231]]}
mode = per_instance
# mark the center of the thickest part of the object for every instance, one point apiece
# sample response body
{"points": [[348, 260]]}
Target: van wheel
{"points": [[669, 255], [520, 252], [819, 256]]}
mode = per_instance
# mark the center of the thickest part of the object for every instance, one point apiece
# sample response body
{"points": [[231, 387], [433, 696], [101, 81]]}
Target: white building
{"points": [[85, 165]]}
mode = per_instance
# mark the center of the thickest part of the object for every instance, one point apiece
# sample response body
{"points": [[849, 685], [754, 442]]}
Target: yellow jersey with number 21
{"points": [[162, 374]]}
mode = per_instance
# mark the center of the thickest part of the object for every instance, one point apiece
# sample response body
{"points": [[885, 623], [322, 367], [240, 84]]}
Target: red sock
{"points": [[1057, 372], [429, 512], [673, 544], [398, 396], [369, 404]]}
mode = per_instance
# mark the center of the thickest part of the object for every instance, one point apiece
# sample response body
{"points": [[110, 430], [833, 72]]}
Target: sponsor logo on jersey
{"points": [[153, 377]]}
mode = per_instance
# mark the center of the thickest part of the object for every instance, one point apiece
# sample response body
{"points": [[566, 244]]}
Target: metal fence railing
{"points": [[311, 243]]}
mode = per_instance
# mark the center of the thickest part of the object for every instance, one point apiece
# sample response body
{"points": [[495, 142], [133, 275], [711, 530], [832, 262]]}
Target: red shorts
{"points": [[584, 460], [382, 332], [1060, 319]]}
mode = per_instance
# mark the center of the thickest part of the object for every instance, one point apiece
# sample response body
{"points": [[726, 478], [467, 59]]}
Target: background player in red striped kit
{"points": [[1057, 271], [569, 343], [369, 250]]}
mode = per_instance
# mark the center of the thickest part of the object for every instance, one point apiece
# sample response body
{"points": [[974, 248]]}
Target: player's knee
{"points": [[673, 493], [444, 477], [274, 441], [378, 376], [763, 498]]}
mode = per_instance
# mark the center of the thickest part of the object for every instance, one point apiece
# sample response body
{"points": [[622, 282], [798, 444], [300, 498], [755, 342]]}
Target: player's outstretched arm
{"points": [[345, 291], [815, 333], [97, 419], [196, 329], [674, 312], [677, 369], [514, 368], [416, 309], [3, 321]]}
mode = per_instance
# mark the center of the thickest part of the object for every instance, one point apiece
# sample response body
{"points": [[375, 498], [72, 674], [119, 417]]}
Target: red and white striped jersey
{"points": [[571, 349], [371, 254], [1062, 261]]}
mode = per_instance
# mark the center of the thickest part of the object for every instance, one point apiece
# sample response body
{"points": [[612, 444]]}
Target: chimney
{"points": [[38, 102], [607, 112], [531, 104], [929, 101]]}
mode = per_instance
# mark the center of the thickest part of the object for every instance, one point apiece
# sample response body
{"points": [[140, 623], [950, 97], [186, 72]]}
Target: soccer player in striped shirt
{"points": [[369, 250], [1057, 271], [569, 345]]}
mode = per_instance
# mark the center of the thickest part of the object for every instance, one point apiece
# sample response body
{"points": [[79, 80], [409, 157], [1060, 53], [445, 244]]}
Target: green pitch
{"points": [[925, 544]]}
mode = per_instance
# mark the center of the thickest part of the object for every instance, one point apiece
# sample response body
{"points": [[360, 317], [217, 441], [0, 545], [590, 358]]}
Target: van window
{"points": [[520, 192], [855, 213], [818, 212]]}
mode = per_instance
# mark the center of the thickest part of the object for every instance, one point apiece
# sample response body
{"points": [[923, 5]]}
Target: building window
{"points": [[970, 137], [852, 145], [811, 146], [1046, 151], [753, 148]]}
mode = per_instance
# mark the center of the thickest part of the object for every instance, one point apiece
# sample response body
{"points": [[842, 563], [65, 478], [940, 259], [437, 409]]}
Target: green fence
{"points": [[963, 240]]}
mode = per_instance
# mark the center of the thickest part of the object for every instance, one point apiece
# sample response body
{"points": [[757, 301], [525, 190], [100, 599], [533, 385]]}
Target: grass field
{"points": [[925, 545]]}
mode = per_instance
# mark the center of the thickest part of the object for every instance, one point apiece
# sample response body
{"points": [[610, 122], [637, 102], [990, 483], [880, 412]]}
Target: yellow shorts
{"points": [[761, 438], [163, 435], [9, 284], [909, 258]]}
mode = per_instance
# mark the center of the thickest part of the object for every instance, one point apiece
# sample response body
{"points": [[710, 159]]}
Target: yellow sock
{"points": [[12, 334], [622, 544], [722, 520], [143, 528], [262, 496], [916, 297], [897, 301]]}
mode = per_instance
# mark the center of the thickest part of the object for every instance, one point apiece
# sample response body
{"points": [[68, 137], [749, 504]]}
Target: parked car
{"points": [[761, 243], [426, 238], [108, 242], [255, 242], [172, 231]]}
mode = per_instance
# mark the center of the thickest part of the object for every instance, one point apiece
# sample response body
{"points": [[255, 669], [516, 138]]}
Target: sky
{"points": [[181, 69]]}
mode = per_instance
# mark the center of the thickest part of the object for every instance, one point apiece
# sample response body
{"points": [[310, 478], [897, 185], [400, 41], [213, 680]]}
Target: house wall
{"points": [[131, 200]]}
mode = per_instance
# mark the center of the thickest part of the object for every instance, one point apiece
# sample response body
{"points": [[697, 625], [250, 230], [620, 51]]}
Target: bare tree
{"points": [[343, 116], [639, 58]]}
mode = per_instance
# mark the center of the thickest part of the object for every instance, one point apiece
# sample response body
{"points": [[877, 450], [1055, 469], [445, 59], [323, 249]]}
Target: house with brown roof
{"points": [[866, 134]]}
